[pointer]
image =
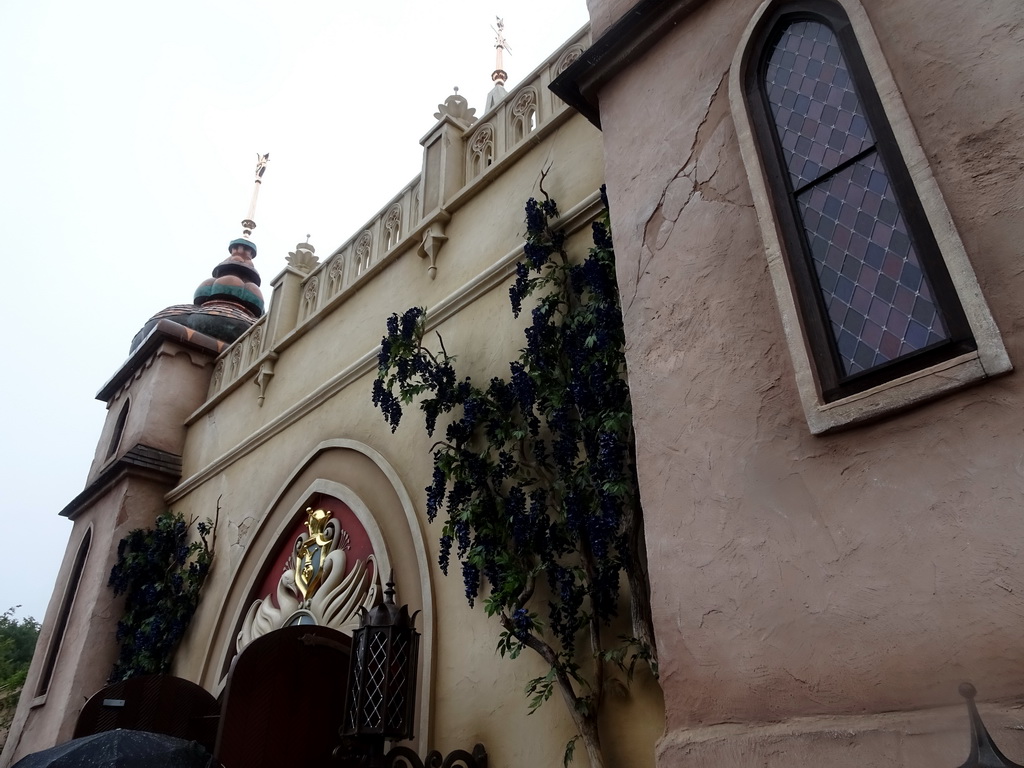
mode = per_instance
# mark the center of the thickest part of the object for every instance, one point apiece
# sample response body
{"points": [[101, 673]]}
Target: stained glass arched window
{"points": [[875, 297]]}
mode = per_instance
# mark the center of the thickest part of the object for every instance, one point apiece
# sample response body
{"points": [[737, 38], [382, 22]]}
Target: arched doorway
{"points": [[364, 494]]}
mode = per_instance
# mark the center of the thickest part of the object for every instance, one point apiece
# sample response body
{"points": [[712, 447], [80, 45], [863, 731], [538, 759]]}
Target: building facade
{"points": [[224, 411], [816, 210]]}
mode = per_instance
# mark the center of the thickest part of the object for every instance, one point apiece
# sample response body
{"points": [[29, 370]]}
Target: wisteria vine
{"points": [[161, 573], [535, 477]]}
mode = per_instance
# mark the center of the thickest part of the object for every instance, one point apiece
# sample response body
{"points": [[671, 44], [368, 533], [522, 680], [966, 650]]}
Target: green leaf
{"points": [[570, 751]]}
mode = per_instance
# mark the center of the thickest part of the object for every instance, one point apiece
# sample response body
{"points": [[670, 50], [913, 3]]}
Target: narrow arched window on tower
{"points": [[60, 626], [876, 298], [115, 437]]}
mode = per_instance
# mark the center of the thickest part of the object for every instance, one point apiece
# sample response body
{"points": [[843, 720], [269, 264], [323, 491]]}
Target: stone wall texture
{"points": [[795, 576]]}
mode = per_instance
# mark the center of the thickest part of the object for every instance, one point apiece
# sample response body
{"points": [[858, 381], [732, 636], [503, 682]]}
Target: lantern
{"points": [[382, 674]]}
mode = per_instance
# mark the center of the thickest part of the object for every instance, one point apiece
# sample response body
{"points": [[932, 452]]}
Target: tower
{"points": [[137, 460]]}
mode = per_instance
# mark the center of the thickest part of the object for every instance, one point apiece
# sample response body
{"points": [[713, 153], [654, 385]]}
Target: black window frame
{"points": [[832, 382]]}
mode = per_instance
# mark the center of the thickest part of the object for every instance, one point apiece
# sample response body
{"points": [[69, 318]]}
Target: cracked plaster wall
{"points": [[862, 572]]}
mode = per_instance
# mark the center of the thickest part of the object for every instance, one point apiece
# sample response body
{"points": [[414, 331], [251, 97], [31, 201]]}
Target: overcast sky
{"points": [[129, 135]]}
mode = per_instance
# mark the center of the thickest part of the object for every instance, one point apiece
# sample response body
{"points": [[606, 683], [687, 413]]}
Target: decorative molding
{"points": [[481, 151], [309, 295], [523, 116], [393, 227], [568, 58], [236, 362], [457, 108], [255, 342], [364, 252], [302, 258], [433, 239], [263, 377], [317, 589], [416, 226], [525, 102], [335, 273], [483, 138]]}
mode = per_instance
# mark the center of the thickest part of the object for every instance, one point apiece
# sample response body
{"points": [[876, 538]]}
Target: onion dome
{"points": [[234, 280], [225, 305]]}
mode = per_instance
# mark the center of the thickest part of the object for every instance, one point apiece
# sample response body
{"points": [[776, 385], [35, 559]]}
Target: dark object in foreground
{"points": [[984, 752], [154, 703], [120, 749], [403, 757]]}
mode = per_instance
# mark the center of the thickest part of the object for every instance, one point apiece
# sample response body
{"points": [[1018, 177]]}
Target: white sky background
{"points": [[129, 134]]}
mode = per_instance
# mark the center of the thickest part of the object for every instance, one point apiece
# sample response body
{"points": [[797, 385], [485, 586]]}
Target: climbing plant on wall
{"points": [[535, 478], [161, 573]]}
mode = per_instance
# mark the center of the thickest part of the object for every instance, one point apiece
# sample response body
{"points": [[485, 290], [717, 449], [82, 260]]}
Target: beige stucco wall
{"points": [[797, 576], [259, 476], [157, 412]]}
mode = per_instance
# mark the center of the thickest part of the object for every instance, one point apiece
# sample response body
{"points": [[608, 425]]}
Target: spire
{"points": [[248, 223], [498, 76], [500, 45], [226, 304]]}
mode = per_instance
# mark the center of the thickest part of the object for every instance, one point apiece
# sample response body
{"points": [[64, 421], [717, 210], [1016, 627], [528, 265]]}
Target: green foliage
{"points": [[17, 643], [535, 476], [161, 573]]}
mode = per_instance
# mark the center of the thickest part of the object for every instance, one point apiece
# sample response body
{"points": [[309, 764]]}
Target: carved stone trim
{"points": [[481, 148], [457, 108], [522, 117], [568, 58], [236, 362], [525, 102], [483, 138], [335, 273], [310, 293], [218, 374], [393, 227], [255, 342], [364, 252]]}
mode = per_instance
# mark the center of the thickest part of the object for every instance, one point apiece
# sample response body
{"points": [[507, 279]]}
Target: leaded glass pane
{"points": [[817, 113], [879, 302]]}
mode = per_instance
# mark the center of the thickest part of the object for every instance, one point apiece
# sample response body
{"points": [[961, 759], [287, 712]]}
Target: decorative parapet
{"points": [[389, 233], [414, 220], [528, 109], [240, 357]]}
